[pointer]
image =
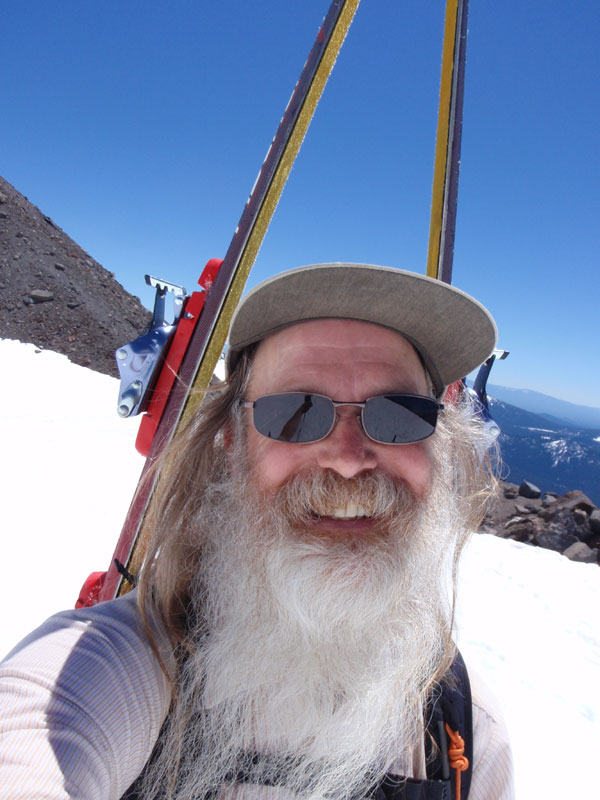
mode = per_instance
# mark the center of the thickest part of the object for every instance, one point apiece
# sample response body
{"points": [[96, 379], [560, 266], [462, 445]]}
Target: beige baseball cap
{"points": [[452, 332]]}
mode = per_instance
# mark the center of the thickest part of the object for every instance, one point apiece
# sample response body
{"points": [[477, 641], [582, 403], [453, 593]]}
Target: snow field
{"points": [[67, 474]]}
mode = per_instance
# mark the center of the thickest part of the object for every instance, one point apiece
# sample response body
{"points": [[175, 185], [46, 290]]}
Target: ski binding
{"points": [[139, 362]]}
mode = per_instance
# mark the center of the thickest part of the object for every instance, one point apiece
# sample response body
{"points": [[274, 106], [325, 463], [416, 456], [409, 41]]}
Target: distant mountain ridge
{"points": [[547, 406], [551, 453]]}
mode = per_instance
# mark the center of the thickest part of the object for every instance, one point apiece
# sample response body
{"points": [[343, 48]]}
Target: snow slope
{"points": [[527, 618], [67, 473]]}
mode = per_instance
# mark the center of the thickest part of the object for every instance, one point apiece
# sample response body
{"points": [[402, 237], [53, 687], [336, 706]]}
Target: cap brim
{"points": [[452, 332]]}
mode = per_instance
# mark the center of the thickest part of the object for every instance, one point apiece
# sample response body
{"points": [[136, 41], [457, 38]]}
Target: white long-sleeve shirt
{"points": [[82, 700]]}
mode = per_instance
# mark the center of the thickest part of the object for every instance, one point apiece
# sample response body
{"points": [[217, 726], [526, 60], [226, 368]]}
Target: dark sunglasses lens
{"points": [[400, 419], [294, 417]]}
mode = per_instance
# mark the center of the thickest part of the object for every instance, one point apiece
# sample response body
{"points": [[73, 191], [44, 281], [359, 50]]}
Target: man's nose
{"points": [[347, 450]]}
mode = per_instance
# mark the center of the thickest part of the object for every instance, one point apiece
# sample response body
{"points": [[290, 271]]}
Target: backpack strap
{"points": [[448, 745], [394, 787], [449, 734]]}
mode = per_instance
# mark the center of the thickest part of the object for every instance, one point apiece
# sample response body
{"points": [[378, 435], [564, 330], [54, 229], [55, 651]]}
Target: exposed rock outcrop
{"points": [[55, 295], [569, 524]]}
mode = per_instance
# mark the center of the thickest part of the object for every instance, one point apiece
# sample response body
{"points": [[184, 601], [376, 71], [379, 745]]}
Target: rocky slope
{"points": [[568, 524], [55, 295]]}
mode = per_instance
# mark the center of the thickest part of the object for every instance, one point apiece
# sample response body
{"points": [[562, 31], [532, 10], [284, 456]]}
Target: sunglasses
{"points": [[300, 417]]}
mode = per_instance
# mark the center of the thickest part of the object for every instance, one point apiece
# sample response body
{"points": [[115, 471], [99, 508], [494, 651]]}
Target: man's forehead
{"points": [[312, 338], [319, 353]]}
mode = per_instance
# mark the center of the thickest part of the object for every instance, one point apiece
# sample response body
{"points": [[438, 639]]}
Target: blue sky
{"points": [[140, 127]]}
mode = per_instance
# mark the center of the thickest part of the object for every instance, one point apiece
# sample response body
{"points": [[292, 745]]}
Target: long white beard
{"points": [[313, 652]]}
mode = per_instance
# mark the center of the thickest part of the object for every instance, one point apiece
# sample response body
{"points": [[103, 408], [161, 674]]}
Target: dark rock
{"points": [[485, 527], [558, 517], [594, 542], [58, 266], [528, 490], [40, 296], [594, 520], [577, 502], [577, 499], [563, 520], [522, 531], [513, 521], [3, 215], [73, 305], [548, 512], [584, 533], [557, 539], [549, 497], [581, 552]]}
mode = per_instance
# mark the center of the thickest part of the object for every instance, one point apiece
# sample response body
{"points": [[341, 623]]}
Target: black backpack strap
{"points": [[394, 787], [449, 704], [451, 708], [457, 707]]}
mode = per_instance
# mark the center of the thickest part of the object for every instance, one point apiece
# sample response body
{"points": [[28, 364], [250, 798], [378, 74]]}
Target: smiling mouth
{"points": [[350, 511]]}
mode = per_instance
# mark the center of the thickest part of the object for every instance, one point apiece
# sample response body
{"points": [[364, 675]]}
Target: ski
{"points": [[440, 253], [448, 140], [223, 290]]}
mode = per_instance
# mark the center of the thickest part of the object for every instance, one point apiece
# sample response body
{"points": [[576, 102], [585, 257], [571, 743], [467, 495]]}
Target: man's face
{"points": [[345, 360]]}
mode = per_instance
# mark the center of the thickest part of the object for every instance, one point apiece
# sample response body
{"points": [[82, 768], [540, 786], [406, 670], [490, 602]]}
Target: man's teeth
{"points": [[349, 511]]}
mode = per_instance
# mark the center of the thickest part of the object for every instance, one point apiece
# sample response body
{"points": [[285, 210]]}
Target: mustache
{"points": [[322, 492]]}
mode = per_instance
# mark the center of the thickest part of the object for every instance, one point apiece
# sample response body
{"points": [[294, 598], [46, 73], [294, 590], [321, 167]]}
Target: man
{"points": [[293, 617]]}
